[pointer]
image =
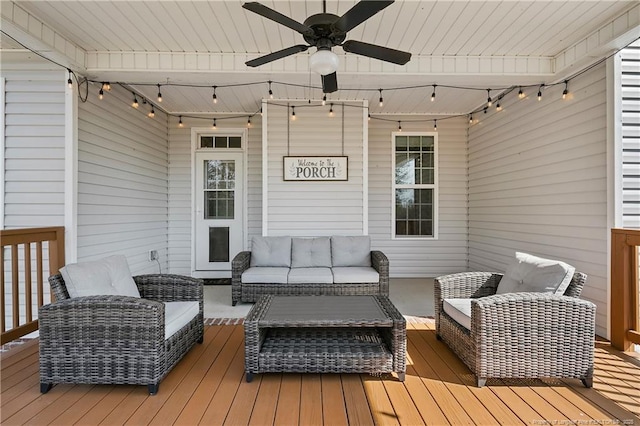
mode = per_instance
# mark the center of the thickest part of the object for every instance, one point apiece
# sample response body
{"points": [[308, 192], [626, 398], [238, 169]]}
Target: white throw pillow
{"points": [[528, 273], [108, 276]]}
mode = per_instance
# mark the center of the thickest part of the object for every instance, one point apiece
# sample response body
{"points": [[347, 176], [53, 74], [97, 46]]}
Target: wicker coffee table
{"points": [[325, 334]]}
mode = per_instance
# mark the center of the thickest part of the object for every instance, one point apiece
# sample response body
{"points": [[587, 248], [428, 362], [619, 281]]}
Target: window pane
{"points": [[219, 244], [401, 143], [427, 176], [206, 142], [414, 143], [426, 228], [221, 142], [427, 143], [235, 142], [218, 205], [426, 160]]}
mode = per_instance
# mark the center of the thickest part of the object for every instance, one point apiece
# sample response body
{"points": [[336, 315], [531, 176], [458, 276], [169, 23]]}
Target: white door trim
{"points": [[195, 133]]}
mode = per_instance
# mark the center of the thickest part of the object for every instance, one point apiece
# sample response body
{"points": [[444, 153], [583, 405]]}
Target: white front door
{"points": [[219, 209]]}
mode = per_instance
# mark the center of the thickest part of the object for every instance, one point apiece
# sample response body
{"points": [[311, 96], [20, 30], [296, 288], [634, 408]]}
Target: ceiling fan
{"points": [[324, 31]]}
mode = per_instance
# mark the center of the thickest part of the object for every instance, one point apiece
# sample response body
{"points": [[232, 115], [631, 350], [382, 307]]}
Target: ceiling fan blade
{"points": [[277, 55], [278, 17], [377, 52], [359, 13], [329, 83]]}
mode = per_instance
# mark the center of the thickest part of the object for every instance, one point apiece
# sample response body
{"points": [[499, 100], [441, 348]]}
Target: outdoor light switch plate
{"points": [[153, 255]]}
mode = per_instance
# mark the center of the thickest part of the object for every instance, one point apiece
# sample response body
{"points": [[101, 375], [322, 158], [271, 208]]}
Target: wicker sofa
{"points": [[116, 339], [518, 335], [337, 265]]}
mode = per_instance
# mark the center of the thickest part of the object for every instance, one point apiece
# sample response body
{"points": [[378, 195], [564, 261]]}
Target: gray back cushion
{"points": [[311, 252], [271, 251], [528, 273], [351, 251]]}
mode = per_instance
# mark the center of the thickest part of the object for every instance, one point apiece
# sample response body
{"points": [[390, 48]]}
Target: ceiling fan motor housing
{"points": [[325, 35]]}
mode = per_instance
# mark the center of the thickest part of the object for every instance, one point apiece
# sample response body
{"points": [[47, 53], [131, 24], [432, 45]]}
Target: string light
{"points": [[249, 121], [101, 94], [331, 110], [214, 124], [152, 113], [293, 113], [260, 111], [520, 93], [180, 124], [565, 92], [399, 126], [498, 106], [489, 102], [470, 118], [159, 94], [435, 125], [106, 86], [215, 97], [381, 102], [135, 103], [540, 93], [324, 100], [270, 91], [369, 116], [69, 81], [433, 95]]}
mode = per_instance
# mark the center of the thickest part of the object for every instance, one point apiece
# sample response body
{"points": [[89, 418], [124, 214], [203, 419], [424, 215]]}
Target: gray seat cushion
{"points": [[355, 274], [311, 252], [263, 274], [177, 315], [351, 251], [459, 310], [310, 276], [271, 251]]}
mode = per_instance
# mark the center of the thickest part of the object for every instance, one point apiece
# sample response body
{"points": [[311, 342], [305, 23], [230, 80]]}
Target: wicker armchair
{"points": [[116, 339], [518, 335]]}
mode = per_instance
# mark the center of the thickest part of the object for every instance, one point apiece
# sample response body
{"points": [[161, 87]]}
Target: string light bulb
{"points": [[489, 101], [180, 123], [270, 91], [135, 103], [369, 116], [324, 100], [215, 97], [380, 102], [215, 126], [399, 126], [435, 125], [152, 113], [293, 113], [249, 121], [433, 95], [540, 93], [69, 81], [101, 94], [498, 106], [106, 86], [159, 94], [331, 110], [470, 118], [565, 92], [520, 93]]}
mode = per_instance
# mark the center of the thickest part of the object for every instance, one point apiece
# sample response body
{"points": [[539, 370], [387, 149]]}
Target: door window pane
{"points": [[219, 244]]}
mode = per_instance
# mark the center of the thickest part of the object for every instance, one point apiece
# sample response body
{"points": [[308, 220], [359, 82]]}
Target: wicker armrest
{"points": [[466, 285], [239, 264], [101, 318], [169, 288], [380, 263]]}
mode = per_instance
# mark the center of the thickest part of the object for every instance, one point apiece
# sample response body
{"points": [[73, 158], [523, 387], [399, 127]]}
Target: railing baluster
{"points": [[27, 282], [40, 274], [15, 285], [2, 285]]}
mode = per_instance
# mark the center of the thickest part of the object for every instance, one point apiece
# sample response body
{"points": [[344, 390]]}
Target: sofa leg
{"points": [[234, 302], [249, 377], [153, 388], [45, 387], [481, 381], [438, 337], [587, 382]]}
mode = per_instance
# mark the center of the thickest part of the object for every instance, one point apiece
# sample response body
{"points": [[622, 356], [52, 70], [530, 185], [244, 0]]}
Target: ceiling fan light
{"points": [[323, 62]]}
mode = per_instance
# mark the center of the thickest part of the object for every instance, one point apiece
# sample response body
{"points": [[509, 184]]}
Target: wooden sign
{"points": [[315, 168]]}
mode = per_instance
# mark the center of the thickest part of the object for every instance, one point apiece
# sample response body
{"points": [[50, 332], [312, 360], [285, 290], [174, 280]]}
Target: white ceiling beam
{"points": [[614, 35], [31, 32]]}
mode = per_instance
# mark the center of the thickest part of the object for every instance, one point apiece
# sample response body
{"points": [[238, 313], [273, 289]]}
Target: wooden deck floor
{"points": [[208, 387]]}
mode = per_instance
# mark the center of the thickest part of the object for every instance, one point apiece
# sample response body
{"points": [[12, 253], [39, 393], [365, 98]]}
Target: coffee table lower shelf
{"points": [[324, 350]]}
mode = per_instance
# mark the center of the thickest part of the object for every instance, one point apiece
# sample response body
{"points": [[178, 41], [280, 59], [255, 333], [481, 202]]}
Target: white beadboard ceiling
{"points": [[483, 44]]}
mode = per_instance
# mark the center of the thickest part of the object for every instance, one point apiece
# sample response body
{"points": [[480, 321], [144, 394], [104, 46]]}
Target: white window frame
{"points": [[433, 186]]}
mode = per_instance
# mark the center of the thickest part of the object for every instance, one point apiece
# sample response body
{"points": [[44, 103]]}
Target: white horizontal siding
{"points": [[315, 208], [421, 258], [630, 91], [537, 183], [33, 155], [122, 181], [180, 190]]}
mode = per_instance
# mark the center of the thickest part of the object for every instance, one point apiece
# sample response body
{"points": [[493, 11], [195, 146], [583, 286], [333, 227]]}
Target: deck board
{"points": [[208, 387]]}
